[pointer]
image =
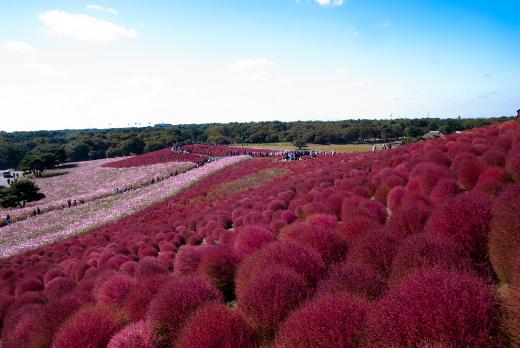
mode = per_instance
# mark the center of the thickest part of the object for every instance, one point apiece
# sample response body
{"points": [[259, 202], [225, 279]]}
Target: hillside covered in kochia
{"points": [[416, 246], [81, 145]]}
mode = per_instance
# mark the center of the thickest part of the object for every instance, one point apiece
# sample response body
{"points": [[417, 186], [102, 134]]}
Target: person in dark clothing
{"points": [[38, 211], [69, 203], [518, 113], [8, 219]]}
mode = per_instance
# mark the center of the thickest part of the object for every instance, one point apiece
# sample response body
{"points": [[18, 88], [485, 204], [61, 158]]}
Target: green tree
{"points": [[300, 143], [19, 193]]}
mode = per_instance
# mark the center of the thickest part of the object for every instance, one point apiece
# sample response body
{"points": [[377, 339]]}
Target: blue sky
{"points": [[72, 64]]}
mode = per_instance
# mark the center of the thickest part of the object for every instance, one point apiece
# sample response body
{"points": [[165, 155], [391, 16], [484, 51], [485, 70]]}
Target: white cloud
{"points": [[329, 2], [84, 28], [252, 69], [342, 72], [100, 8], [44, 70], [16, 47]]}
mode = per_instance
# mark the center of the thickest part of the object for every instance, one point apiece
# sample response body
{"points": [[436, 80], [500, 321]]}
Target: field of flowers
{"points": [[59, 224], [91, 180], [418, 246], [220, 151]]}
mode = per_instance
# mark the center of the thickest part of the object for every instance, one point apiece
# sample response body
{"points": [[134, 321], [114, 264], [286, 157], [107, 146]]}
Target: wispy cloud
{"points": [[100, 8], [44, 70], [384, 25], [252, 69], [16, 46], [342, 72], [84, 28], [331, 3]]}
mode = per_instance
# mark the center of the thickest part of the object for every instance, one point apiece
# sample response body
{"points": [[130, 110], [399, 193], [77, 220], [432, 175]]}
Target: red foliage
{"points": [[354, 206], [216, 325], [334, 320], [395, 197], [327, 243], [422, 311], [424, 251], [463, 219], [357, 279], [174, 303], [90, 327], [115, 289], [504, 237], [357, 225], [59, 287], [513, 163], [468, 168], [218, 266], [140, 295], [271, 297], [375, 249], [409, 218], [160, 156], [492, 180], [251, 238], [136, 335], [445, 188]]}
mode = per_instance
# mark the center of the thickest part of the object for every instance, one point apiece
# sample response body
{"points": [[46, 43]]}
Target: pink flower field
{"points": [[58, 224], [92, 180]]}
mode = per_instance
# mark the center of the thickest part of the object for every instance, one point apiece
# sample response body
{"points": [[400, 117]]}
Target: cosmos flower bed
{"points": [[216, 150], [154, 157], [91, 180], [59, 224], [411, 247]]}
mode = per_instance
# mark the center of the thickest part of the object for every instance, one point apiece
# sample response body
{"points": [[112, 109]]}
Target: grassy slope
{"points": [[289, 146]]}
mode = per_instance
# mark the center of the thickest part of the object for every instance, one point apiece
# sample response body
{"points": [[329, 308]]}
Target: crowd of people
{"points": [[383, 147], [303, 154]]}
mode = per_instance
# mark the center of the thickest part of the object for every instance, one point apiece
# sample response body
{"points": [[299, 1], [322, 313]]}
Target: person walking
{"points": [[518, 113]]}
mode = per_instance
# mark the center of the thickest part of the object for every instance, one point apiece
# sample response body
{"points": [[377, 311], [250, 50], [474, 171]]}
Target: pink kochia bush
{"points": [[274, 294], [136, 335], [435, 307], [90, 327], [216, 325], [504, 238], [463, 219], [334, 320], [251, 238], [174, 303]]}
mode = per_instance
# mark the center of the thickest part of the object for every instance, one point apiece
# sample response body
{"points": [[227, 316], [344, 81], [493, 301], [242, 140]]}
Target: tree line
{"points": [[40, 150]]}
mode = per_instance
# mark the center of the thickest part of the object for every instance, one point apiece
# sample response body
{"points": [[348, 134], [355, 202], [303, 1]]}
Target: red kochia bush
{"points": [[444, 188], [425, 251], [463, 219], [218, 266], [135, 335], [216, 325], [355, 278], [435, 307], [271, 297], [114, 289], [90, 327], [140, 295], [375, 249], [504, 237], [251, 238], [409, 218], [468, 168], [328, 244], [492, 180], [303, 260], [334, 320], [513, 163], [174, 303]]}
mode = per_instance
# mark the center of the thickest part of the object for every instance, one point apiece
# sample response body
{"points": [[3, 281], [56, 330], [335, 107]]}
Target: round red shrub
{"points": [[468, 168], [29, 284], [463, 219], [328, 244], [303, 260], [436, 307], [504, 237], [425, 251], [114, 289], [409, 218], [188, 258], [218, 266], [51, 274], [513, 163], [492, 180], [271, 297], [511, 320], [444, 189], [354, 206], [136, 335], [355, 278], [395, 197], [495, 156], [216, 325], [251, 238], [149, 266], [59, 287], [140, 295], [90, 327], [375, 249], [313, 208], [334, 320], [355, 226], [174, 303]]}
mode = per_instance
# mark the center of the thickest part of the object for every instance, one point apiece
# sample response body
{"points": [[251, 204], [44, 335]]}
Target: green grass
{"points": [[288, 146]]}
